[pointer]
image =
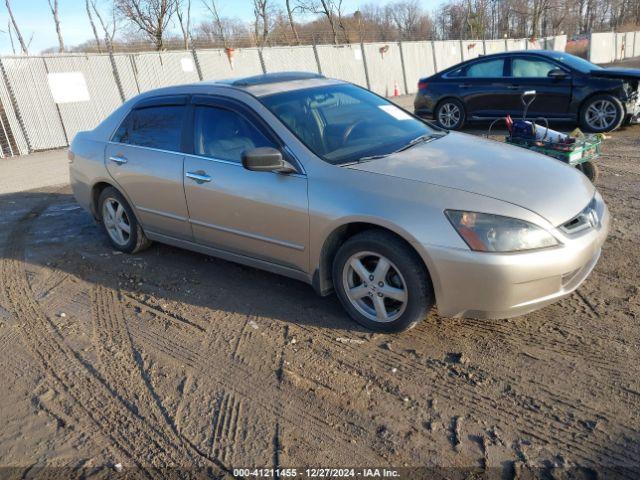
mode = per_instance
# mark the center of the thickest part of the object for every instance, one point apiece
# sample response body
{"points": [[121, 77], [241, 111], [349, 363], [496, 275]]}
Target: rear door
{"points": [[262, 215], [553, 95], [482, 87], [145, 158]]}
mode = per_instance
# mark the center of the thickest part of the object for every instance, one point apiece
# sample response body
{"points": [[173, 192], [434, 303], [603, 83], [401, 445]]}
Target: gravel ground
{"points": [[173, 360]]}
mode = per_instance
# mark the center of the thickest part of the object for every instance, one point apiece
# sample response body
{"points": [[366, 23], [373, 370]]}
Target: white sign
{"points": [[187, 64], [68, 87], [395, 112]]}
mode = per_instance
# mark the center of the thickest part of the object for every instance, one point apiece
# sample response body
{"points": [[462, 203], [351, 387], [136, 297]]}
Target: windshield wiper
{"points": [[427, 137]]}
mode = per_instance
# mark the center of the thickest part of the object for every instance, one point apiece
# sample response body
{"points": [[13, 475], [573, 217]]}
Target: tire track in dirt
{"points": [[540, 425], [235, 376], [99, 406]]}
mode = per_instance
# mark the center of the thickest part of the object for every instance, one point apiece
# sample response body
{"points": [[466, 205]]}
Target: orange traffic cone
{"points": [[395, 89]]}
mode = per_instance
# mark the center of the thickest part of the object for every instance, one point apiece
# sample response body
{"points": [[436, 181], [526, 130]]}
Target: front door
{"points": [[144, 159], [553, 95], [263, 215], [482, 88]]}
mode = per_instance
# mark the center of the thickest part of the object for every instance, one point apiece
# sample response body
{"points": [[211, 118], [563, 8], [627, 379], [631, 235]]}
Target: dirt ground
{"points": [[171, 362]]}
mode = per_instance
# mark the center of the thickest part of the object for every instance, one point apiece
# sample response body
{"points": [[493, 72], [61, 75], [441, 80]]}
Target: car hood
{"points": [[530, 180], [622, 73]]}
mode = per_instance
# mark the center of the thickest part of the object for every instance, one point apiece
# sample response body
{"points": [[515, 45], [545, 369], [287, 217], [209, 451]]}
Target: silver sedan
{"points": [[325, 182]]}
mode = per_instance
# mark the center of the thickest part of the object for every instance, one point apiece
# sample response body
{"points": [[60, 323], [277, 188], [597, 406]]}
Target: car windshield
{"points": [[344, 123], [577, 63]]}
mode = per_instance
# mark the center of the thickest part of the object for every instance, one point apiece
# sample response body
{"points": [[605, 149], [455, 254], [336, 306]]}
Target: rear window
{"points": [[153, 127]]}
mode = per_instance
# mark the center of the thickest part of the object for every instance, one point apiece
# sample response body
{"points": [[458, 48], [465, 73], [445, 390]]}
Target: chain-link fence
{"points": [[46, 100]]}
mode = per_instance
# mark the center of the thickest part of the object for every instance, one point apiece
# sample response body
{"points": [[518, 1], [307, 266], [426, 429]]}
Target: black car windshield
{"points": [[344, 123], [576, 63]]}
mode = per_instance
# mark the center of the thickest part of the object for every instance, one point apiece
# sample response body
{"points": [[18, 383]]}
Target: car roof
{"points": [[270, 83]]}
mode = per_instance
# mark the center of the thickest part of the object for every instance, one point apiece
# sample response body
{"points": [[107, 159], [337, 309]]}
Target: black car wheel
{"points": [[450, 114], [601, 113]]}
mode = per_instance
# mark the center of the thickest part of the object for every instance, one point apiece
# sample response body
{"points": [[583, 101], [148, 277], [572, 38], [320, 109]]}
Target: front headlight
{"points": [[484, 232]]}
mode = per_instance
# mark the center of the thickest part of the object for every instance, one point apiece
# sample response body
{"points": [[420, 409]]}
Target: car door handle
{"points": [[465, 85], [118, 159], [513, 87], [199, 177]]}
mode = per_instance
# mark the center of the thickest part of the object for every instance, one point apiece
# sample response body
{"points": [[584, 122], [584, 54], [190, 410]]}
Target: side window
{"points": [[531, 68], [224, 134], [154, 127], [490, 68]]}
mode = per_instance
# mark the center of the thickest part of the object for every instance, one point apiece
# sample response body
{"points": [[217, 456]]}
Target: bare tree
{"points": [[152, 17], [13, 47], [55, 12], [93, 25], [217, 21], [291, 22], [23, 46], [109, 29], [330, 9], [261, 23], [183, 12]]}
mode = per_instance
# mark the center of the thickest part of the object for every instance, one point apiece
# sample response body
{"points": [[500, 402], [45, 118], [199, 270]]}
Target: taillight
{"points": [[422, 85]]}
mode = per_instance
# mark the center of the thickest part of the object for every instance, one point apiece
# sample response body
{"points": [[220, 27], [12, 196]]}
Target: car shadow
{"points": [[49, 230]]}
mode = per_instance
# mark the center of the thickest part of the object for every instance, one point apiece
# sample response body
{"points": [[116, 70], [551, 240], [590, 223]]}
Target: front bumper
{"points": [[490, 285]]}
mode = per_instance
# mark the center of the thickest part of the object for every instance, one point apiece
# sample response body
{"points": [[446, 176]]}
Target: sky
{"points": [[34, 19]]}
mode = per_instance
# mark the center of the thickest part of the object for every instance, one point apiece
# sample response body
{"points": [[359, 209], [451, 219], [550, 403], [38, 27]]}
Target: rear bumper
{"points": [[487, 285]]}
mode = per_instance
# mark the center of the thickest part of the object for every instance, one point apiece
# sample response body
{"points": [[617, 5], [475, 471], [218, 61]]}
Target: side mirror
{"points": [[266, 159], [557, 74]]}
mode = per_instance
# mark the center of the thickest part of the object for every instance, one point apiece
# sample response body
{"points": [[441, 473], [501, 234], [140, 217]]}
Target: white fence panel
{"points": [[535, 44], [636, 44], [494, 46], [516, 44], [559, 43], [286, 59], [447, 54], [104, 96], [28, 79], [344, 62], [163, 69], [217, 65], [418, 62], [16, 143], [602, 47], [472, 49], [385, 68], [126, 72], [629, 39]]}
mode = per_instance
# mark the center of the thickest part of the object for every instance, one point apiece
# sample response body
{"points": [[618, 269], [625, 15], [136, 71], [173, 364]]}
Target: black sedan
{"points": [[568, 88]]}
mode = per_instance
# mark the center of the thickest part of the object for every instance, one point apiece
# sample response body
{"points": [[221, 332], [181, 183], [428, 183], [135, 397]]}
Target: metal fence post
{"points": [[506, 45], [262, 64], [404, 70], [134, 70], [196, 60], [14, 104], [116, 74], [433, 54], [461, 51], [484, 47], [364, 64], [64, 129], [315, 54]]}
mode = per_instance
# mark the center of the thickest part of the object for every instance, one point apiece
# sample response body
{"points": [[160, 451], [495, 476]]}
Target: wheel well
{"points": [[322, 281], [594, 94], [95, 196], [442, 100]]}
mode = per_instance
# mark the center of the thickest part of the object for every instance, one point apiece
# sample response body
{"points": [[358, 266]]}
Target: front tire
{"points": [[450, 114], [122, 226], [601, 113], [381, 282]]}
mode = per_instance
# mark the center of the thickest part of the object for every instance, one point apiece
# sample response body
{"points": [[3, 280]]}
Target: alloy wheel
{"points": [[375, 286], [116, 221], [449, 115], [601, 114]]}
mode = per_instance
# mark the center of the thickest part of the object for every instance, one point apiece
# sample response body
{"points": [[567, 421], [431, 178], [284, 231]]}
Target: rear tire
{"points": [[381, 282], [121, 225], [601, 113], [450, 114]]}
